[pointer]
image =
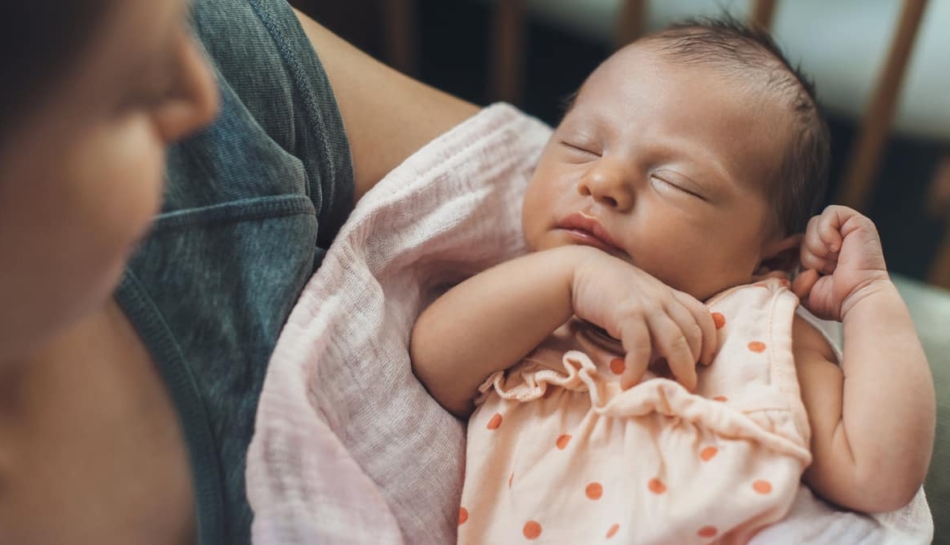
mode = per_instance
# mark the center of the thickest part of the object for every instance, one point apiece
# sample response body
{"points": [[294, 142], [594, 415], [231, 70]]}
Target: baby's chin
{"points": [[707, 290], [706, 294]]}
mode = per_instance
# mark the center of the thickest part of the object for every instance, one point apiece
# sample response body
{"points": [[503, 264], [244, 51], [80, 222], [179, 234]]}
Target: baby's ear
{"points": [[780, 254]]}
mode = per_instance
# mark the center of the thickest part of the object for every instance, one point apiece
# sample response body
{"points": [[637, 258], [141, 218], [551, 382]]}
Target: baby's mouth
{"points": [[588, 231]]}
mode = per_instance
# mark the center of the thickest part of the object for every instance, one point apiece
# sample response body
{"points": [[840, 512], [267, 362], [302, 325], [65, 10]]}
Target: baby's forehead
{"points": [[750, 66], [699, 110], [653, 70]]}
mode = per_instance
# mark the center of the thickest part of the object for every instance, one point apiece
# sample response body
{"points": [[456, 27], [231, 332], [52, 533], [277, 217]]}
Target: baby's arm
{"points": [[492, 320], [873, 417], [467, 334]]}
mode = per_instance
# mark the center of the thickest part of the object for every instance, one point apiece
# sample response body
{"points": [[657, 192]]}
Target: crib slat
{"points": [[399, 28], [939, 274], [938, 202], [763, 12], [858, 179], [507, 50], [631, 21]]}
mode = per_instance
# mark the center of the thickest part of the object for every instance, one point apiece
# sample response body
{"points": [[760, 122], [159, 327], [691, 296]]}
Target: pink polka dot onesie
{"points": [[559, 453]]}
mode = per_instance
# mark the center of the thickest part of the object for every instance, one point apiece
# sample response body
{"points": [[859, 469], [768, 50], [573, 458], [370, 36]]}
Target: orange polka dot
{"points": [[708, 453], [562, 441], [707, 531], [617, 366], [532, 529], [719, 320], [762, 487], [511, 478], [495, 422], [463, 515], [757, 346], [612, 531], [656, 486], [594, 491], [721, 398]]}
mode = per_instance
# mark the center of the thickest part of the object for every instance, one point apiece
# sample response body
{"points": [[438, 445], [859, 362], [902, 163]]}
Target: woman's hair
{"points": [[798, 187], [39, 40]]}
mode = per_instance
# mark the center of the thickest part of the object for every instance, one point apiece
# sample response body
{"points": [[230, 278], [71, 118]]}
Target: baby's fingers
{"points": [[804, 282], [671, 342], [816, 252], [686, 322], [700, 315], [635, 337], [829, 228], [824, 265], [821, 237]]}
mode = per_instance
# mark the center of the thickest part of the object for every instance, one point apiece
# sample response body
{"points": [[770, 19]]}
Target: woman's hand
{"points": [[843, 261], [646, 315]]}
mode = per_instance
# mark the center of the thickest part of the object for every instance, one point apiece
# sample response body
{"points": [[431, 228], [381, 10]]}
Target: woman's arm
{"points": [[873, 417], [387, 115]]}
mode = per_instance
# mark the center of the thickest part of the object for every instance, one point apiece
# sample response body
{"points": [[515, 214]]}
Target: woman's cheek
{"points": [[115, 185]]}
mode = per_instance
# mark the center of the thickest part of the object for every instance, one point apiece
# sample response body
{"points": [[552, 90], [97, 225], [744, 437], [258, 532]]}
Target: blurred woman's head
{"points": [[92, 92]]}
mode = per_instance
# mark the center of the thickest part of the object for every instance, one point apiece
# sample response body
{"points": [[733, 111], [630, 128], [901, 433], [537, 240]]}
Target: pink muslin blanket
{"points": [[348, 446]]}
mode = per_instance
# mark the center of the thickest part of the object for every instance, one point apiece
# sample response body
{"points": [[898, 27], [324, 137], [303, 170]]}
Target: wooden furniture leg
{"points": [[508, 50], [939, 206], [763, 12], [399, 30], [865, 155], [631, 22]]}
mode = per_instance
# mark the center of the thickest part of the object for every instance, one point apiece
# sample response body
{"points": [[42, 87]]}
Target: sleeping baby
{"points": [[643, 375]]}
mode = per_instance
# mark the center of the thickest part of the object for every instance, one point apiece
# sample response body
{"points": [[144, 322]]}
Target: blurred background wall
{"points": [[536, 52]]}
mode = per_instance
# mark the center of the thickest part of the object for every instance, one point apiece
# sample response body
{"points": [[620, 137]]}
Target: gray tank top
{"points": [[251, 205]]}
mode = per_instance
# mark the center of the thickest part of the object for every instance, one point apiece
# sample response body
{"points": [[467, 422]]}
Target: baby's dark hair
{"points": [[798, 186]]}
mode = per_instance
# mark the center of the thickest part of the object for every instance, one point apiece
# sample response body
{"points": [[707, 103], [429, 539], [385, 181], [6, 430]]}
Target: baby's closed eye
{"points": [[581, 148], [666, 181]]}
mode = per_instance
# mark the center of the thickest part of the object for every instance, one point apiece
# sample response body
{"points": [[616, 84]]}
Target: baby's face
{"points": [[663, 165]]}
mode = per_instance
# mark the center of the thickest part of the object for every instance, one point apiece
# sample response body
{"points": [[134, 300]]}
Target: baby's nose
{"points": [[607, 185]]}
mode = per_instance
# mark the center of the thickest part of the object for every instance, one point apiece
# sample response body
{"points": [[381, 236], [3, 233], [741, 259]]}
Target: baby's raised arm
{"points": [[873, 417], [492, 320]]}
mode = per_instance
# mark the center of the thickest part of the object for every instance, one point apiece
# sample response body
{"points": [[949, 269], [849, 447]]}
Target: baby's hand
{"points": [[843, 261], [643, 313]]}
